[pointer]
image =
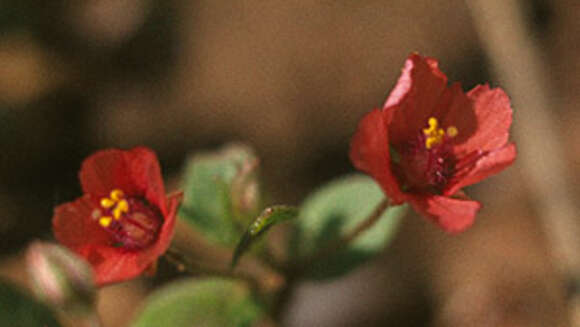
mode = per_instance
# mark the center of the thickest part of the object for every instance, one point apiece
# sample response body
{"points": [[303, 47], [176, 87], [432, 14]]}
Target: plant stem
{"points": [[504, 31], [337, 245], [294, 271], [191, 252], [92, 320], [88, 318]]}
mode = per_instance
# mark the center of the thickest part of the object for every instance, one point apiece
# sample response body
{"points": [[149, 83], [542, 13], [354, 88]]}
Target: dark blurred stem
{"points": [[337, 245], [517, 60], [92, 320], [197, 267], [86, 319]]}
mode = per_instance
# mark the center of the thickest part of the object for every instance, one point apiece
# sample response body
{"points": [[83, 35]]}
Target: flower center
{"points": [[435, 135], [132, 221], [424, 165]]}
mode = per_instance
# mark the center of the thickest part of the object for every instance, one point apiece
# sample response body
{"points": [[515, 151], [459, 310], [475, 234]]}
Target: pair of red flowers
{"points": [[427, 142]]}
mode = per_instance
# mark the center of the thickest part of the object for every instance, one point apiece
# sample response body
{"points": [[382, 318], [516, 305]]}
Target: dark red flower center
{"points": [[426, 163], [132, 221]]}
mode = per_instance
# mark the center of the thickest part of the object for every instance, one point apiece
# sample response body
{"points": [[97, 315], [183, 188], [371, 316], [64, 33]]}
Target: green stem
{"points": [[337, 245], [294, 271], [191, 252]]}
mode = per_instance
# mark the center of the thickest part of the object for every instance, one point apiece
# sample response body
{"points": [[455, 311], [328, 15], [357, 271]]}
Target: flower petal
{"points": [[486, 165], [456, 109], [146, 174], [415, 97], [167, 230], [369, 152], [493, 114], [135, 172], [104, 171], [74, 225], [452, 215], [111, 264]]}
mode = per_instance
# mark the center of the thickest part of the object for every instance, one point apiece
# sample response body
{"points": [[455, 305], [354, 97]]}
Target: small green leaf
{"points": [[193, 302], [332, 212], [220, 192], [268, 217], [20, 310]]}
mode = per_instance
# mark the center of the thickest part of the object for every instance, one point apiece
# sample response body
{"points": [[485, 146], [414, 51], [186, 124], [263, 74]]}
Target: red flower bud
{"points": [[60, 277]]}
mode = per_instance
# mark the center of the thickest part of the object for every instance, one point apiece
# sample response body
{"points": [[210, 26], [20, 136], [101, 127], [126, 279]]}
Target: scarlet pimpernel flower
{"points": [[124, 221], [430, 140]]}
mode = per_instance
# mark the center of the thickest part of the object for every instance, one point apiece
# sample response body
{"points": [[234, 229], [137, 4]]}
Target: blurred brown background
{"points": [[292, 78]]}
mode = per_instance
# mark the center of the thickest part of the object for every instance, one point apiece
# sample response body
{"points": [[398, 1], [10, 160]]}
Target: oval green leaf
{"points": [[212, 302], [209, 202], [333, 211]]}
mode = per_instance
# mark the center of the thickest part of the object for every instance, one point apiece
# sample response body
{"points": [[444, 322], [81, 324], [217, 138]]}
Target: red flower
{"points": [[124, 221], [430, 140]]}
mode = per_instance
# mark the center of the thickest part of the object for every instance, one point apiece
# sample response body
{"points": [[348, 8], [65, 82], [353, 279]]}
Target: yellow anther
{"points": [[107, 203], [105, 221], [435, 135], [122, 207], [116, 195], [452, 131], [433, 123]]}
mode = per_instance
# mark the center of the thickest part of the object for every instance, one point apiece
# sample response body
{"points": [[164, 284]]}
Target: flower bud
{"points": [[245, 189], [60, 277]]}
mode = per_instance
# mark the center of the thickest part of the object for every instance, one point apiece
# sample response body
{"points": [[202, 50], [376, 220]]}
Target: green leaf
{"points": [[215, 199], [332, 212], [193, 302], [270, 216], [20, 310]]}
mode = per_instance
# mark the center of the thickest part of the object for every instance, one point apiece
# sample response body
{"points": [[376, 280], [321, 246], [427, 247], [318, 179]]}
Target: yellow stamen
{"points": [[105, 221], [452, 131], [116, 195], [435, 134], [116, 202], [122, 207], [107, 203]]}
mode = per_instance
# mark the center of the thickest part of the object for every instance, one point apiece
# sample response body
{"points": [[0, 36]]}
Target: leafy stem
{"points": [[191, 252], [335, 246]]}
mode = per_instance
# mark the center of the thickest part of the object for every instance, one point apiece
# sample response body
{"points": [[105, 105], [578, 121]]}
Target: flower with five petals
{"points": [[430, 140]]}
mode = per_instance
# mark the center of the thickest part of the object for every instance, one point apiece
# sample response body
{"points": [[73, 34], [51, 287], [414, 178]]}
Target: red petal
{"points": [[112, 265], [369, 152], [135, 172], [491, 110], [456, 109], [146, 174], [488, 164], [73, 224], [453, 215], [415, 96], [168, 228], [104, 171]]}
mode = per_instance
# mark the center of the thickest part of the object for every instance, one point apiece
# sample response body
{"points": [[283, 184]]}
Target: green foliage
{"points": [[332, 212], [209, 303], [220, 192], [268, 217], [20, 310]]}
